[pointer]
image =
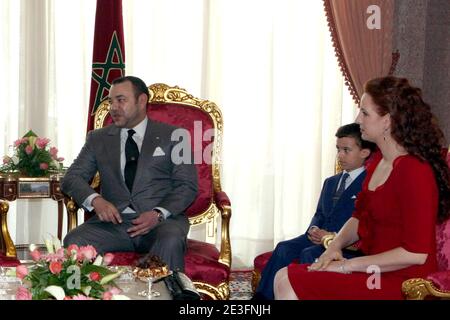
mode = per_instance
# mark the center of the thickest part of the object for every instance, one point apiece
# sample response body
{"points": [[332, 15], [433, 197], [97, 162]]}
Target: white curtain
{"points": [[268, 64], [46, 52]]}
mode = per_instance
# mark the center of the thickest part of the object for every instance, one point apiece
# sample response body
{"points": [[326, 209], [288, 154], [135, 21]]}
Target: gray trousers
{"points": [[166, 240]]}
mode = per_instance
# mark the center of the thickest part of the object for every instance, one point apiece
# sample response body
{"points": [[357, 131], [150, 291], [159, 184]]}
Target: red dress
{"points": [[400, 213]]}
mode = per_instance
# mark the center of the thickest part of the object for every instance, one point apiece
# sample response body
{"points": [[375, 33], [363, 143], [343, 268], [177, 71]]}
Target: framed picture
{"points": [[34, 189]]}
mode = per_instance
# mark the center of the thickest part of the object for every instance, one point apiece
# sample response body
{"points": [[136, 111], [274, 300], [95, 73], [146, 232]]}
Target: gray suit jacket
{"points": [[158, 182]]}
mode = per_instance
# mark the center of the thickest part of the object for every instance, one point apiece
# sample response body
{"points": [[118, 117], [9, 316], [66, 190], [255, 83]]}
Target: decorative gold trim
{"points": [[72, 216], [205, 216], [5, 238], [221, 292], [419, 289], [337, 166], [100, 114], [96, 181], [256, 277], [15, 176], [225, 244]]}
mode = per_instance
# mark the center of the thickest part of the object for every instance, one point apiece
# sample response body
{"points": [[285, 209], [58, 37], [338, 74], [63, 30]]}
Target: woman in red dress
{"points": [[405, 193]]}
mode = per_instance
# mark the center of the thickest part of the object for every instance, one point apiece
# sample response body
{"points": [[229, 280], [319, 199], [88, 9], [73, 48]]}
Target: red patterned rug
{"points": [[240, 285]]}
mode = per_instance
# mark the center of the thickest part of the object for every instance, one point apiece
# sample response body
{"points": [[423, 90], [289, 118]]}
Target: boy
{"points": [[335, 206]]}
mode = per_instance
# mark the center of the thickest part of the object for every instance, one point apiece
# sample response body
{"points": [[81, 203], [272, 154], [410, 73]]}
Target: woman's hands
{"points": [[331, 260]]}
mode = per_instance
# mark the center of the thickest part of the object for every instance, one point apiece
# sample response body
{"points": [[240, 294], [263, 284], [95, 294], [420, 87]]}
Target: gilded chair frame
{"points": [[419, 289], [162, 93]]}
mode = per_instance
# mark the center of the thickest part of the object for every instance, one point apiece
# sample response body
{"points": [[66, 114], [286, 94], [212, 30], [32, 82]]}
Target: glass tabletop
{"points": [[126, 282]]}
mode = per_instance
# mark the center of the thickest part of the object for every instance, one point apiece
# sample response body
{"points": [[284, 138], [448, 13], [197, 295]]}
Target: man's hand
{"points": [[316, 234], [106, 211], [144, 223]]}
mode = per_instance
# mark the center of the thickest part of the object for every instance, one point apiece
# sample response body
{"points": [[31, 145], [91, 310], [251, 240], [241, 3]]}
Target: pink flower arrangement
{"points": [[75, 273], [32, 157]]}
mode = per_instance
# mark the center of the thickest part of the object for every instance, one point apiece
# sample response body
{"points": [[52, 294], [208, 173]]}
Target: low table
{"points": [[129, 285]]}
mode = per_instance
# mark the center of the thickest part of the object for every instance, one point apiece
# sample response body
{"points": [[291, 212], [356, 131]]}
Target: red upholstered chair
{"points": [[8, 261], [437, 284], [258, 266], [205, 265]]}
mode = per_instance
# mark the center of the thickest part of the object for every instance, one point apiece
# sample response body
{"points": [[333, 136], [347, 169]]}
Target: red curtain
{"points": [[362, 32], [108, 61]]}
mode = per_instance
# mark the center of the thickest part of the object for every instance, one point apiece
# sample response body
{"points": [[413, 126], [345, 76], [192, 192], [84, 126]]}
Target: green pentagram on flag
{"points": [[101, 70]]}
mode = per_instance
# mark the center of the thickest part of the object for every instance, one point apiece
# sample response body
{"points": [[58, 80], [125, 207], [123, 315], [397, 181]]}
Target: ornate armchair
{"points": [[206, 266], [437, 284]]}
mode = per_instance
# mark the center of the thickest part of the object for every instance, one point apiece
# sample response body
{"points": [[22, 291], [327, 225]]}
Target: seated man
{"points": [[336, 204], [143, 192]]}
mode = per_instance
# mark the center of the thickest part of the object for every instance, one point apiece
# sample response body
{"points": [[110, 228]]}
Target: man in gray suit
{"points": [[144, 193]]}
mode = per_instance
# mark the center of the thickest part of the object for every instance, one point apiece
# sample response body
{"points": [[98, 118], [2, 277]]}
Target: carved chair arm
{"points": [[223, 204]]}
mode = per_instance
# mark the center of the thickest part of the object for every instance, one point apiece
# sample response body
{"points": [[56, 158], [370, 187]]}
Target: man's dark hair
{"points": [[139, 86], [353, 130]]}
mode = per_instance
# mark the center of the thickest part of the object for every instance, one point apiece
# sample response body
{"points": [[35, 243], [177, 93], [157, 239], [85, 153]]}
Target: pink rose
{"points": [[53, 152], [28, 150], [55, 267], [6, 160], [73, 247], [41, 143], [20, 141], [35, 254], [115, 290], [21, 271], [43, 166], [95, 276], [60, 252], [108, 258], [107, 295], [88, 253], [23, 294], [54, 256], [81, 297], [60, 159]]}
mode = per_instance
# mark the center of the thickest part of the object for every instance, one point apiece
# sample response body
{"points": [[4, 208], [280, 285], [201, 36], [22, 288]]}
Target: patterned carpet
{"points": [[240, 285]]}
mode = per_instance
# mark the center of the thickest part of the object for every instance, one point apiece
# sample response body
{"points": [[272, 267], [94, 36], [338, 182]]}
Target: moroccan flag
{"points": [[108, 61]]}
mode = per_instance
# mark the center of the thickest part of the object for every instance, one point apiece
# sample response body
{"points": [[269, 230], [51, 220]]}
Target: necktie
{"points": [[131, 156], [341, 188]]}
